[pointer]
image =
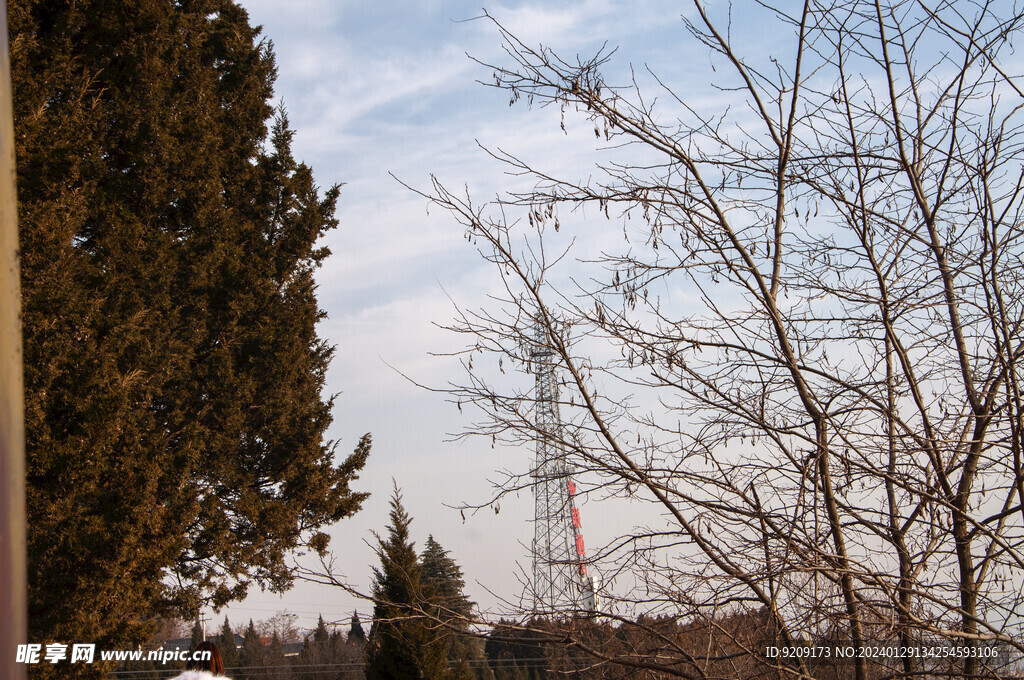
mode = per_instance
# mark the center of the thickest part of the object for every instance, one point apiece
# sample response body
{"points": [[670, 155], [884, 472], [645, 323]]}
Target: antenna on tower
{"points": [[560, 580]]}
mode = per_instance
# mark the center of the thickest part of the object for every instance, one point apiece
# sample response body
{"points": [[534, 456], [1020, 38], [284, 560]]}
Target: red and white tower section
{"points": [[560, 580]]}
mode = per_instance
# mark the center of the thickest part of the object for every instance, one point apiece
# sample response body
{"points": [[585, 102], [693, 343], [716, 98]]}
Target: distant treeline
{"points": [[734, 646]]}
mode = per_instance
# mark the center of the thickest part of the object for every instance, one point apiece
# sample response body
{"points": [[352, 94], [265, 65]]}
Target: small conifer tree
{"points": [[321, 634], [253, 653], [228, 646], [355, 631], [273, 657], [197, 635]]}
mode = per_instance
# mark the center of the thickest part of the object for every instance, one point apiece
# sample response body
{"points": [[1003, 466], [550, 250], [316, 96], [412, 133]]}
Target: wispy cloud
{"points": [[379, 88]]}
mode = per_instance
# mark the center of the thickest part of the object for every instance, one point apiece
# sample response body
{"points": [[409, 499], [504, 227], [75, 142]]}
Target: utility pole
{"points": [[13, 589]]}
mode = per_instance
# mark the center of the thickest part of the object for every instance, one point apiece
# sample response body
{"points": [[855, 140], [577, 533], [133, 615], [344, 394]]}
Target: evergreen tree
{"points": [[443, 584], [515, 653], [197, 635], [273, 658], [252, 655], [403, 645], [228, 646], [325, 653], [444, 579], [355, 631], [173, 373], [313, 654], [321, 634]]}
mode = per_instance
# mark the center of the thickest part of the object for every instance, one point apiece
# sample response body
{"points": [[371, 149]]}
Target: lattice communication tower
{"points": [[560, 580]]}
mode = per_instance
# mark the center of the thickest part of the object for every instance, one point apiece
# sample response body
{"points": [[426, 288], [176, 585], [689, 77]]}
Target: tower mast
{"points": [[560, 579]]}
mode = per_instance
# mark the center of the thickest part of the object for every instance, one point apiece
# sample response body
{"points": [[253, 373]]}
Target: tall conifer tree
{"points": [[403, 644], [174, 411]]}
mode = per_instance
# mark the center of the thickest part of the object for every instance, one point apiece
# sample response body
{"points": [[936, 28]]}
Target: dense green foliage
{"points": [[443, 585], [175, 418], [442, 578], [404, 644]]}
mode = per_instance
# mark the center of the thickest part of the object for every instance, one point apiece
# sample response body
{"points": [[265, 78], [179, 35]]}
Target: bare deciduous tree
{"points": [[803, 349]]}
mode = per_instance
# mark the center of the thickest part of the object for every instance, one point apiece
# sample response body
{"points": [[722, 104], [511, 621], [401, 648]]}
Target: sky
{"points": [[374, 89]]}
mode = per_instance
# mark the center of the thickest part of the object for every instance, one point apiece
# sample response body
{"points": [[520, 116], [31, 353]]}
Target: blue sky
{"points": [[373, 88]]}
